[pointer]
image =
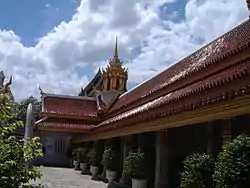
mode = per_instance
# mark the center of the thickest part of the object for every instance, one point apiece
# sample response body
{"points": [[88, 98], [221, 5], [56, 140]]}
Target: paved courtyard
{"points": [[67, 178]]}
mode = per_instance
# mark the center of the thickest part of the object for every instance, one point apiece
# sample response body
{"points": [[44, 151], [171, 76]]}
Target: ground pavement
{"points": [[67, 178]]}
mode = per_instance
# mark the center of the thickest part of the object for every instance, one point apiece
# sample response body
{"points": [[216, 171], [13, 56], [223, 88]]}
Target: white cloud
{"points": [[87, 41]]}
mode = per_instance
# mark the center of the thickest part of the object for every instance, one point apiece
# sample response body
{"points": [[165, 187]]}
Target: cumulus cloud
{"points": [[87, 42]]}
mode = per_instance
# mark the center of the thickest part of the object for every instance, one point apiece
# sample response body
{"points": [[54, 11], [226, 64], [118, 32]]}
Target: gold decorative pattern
{"points": [[114, 75]]}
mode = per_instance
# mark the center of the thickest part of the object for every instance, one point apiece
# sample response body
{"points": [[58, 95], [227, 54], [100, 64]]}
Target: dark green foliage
{"points": [[95, 157], [13, 155], [83, 155], [135, 165], [22, 108], [232, 169], [75, 154], [109, 159], [198, 171]]}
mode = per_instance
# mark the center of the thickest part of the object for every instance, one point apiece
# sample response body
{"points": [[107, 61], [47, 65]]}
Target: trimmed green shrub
{"points": [[83, 155], [198, 171], [95, 157], [75, 154], [109, 159], [232, 169], [135, 165]]}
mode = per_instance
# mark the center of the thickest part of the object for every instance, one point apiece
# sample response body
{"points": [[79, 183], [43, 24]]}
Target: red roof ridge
{"points": [[69, 97]]}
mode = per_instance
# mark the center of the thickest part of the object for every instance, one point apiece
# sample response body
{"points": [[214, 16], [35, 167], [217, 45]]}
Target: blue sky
{"points": [[173, 11], [32, 19], [60, 44]]}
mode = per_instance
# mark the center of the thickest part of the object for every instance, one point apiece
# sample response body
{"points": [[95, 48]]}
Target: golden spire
{"points": [[116, 49], [116, 59]]}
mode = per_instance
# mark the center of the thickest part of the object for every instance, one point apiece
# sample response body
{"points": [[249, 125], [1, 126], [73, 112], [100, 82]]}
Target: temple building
{"points": [[195, 105]]}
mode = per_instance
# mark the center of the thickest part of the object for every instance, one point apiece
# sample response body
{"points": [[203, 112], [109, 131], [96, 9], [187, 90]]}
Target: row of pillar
{"points": [[162, 150]]}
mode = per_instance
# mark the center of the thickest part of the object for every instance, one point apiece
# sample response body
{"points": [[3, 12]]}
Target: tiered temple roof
{"points": [[217, 72]]}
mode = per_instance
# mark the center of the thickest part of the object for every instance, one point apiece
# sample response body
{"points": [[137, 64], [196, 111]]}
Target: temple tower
{"points": [[114, 75]]}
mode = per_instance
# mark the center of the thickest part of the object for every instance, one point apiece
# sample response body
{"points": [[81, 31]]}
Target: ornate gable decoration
{"points": [[5, 88]]}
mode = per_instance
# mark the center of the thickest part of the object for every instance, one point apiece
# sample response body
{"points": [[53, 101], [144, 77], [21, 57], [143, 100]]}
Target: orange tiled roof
{"points": [[169, 100], [226, 45], [69, 106]]}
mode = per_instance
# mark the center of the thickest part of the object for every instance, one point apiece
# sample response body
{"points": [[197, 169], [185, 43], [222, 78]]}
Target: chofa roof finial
{"points": [[41, 91], [9, 82], [248, 5], [116, 48], [6, 87]]}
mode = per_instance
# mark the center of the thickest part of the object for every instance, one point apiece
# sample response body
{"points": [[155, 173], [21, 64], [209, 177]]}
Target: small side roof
{"points": [[68, 106]]}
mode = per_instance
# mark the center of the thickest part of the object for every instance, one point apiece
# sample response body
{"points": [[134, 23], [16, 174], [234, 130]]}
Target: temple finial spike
{"points": [[116, 48], [41, 91]]}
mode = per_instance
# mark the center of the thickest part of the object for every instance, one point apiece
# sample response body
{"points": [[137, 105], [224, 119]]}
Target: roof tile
{"points": [[71, 107], [221, 78], [236, 39]]}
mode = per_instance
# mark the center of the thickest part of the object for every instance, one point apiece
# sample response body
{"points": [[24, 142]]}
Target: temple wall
{"points": [[56, 148]]}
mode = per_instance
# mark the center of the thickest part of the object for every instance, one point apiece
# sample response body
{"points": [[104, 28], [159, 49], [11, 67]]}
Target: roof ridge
{"points": [[69, 97]]}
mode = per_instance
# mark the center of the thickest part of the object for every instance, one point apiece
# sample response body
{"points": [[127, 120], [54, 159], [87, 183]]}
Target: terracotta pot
{"points": [[84, 166], [139, 183], [111, 175], [94, 170]]}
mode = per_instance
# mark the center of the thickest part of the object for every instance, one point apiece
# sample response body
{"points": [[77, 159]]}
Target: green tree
{"points": [[22, 108], [232, 169], [13, 155], [198, 171]]}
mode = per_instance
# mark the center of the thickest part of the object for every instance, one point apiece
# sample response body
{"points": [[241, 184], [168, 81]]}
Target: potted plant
{"points": [[94, 160], [83, 159], [134, 167], [109, 161], [75, 157]]}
